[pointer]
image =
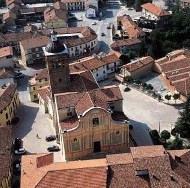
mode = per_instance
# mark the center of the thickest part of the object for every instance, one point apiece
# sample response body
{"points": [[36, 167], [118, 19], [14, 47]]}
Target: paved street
{"points": [[146, 112], [33, 121]]}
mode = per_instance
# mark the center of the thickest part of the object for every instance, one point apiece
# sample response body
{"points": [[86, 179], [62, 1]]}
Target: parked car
{"points": [[20, 151], [93, 23], [53, 148], [130, 8], [50, 138], [17, 166], [102, 34], [17, 143], [18, 76], [15, 120]]}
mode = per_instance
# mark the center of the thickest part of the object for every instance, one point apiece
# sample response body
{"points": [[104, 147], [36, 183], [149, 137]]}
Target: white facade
{"points": [[148, 15], [90, 13], [6, 81], [103, 72], [81, 49]]}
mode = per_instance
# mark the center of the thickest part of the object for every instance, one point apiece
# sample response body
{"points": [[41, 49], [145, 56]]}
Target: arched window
{"points": [[75, 140]]}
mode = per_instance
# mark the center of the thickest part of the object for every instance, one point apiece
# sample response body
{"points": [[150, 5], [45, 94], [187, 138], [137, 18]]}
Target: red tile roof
{"points": [[176, 67], [5, 151], [156, 169], [41, 74], [137, 64], [70, 123], [125, 42], [84, 101], [44, 93], [9, 15], [130, 27], [91, 63], [75, 174], [6, 95], [6, 51], [155, 9]]}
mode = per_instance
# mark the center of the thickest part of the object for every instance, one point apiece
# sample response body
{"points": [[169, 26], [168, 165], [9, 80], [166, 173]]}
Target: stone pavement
{"points": [[146, 113]]}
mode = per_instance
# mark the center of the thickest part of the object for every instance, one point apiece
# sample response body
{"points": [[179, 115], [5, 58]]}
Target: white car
{"points": [[20, 151], [93, 23]]}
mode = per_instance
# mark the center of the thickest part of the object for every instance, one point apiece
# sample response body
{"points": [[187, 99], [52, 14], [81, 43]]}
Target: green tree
{"points": [[177, 143], [182, 125], [176, 96], [165, 135], [168, 97]]}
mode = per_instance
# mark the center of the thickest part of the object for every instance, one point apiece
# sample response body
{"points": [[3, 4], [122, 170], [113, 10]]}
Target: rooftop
{"points": [[5, 151], [6, 51], [6, 95], [155, 9], [157, 169]]}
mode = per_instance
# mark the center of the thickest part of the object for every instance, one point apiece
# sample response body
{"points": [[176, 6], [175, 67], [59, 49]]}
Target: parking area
{"points": [[33, 125], [147, 113]]}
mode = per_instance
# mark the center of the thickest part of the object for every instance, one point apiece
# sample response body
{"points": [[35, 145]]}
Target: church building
{"points": [[87, 118]]}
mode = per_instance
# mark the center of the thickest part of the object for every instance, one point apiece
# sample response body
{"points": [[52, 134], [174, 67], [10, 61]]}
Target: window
{"points": [[104, 72], [40, 80], [35, 96], [75, 140], [34, 88], [6, 116], [37, 55], [45, 79], [95, 121], [59, 79], [117, 132], [96, 75], [69, 113], [40, 86], [37, 49]]}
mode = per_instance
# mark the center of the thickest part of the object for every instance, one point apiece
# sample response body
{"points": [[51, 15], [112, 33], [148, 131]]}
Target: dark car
{"points": [[17, 167], [18, 76], [53, 148], [15, 120], [17, 143], [102, 34], [50, 138]]}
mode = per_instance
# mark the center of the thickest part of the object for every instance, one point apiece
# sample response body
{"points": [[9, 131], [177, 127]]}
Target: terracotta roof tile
{"points": [[31, 176], [155, 9], [134, 65], [42, 74], [69, 123], [5, 151], [6, 95], [125, 42], [44, 93], [131, 27], [6, 51], [35, 42]]}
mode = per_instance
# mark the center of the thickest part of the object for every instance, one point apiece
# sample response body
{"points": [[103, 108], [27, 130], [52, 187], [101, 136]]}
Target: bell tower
{"points": [[56, 56]]}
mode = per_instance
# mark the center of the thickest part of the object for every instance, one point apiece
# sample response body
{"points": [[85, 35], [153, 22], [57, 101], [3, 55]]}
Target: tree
{"points": [[168, 97], [165, 135], [177, 143], [149, 87], [137, 5], [182, 125], [176, 96]]}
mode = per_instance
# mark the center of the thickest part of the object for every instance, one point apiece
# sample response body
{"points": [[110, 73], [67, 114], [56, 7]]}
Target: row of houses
{"points": [[55, 16], [143, 166]]}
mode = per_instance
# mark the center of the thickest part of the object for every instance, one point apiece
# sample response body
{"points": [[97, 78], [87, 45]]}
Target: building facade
{"points": [[87, 119], [79, 41], [185, 3], [9, 102], [153, 12]]}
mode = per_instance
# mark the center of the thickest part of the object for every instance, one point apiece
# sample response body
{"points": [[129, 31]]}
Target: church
{"points": [[88, 119]]}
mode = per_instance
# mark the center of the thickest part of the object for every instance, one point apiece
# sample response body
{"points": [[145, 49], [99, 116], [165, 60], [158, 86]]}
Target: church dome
{"points": [[55, 46]]}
